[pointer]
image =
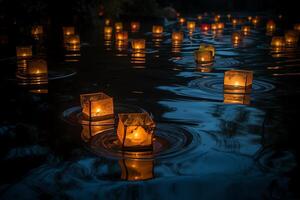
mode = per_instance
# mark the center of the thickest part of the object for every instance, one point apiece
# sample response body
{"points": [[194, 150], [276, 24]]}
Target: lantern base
{"points": [[237, 89], [88, 118]]}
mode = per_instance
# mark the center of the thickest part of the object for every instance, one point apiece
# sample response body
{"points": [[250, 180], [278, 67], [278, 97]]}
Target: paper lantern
{"points": [[207, 47], [205, 27], [135, 131], [278, 41], [234, 22], [37, 67], [136, 169], [107, 22], [157, 30], [135, 26], [121, 36], [37, 31], [68, 30], [73, 40], [291, 37], [97, 106], [108, 30], [246, 30], [138, 44], [271, 26], [255, 21], [250, 18], [238, 81], [236, 37], [237, 99], [191, 25], [181, 20], [118, 26], [177, 36], [24, 52], [203, 56], [199, 17]]}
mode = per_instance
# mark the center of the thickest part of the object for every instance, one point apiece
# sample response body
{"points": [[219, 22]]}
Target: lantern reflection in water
{"points": [[136, 131], [136, 169], [236, 38], [204, 68], [278, 41], [237, 99], [291, 38], [97, 106], [24, 52], [234, 22], [255, 21], [135, 26], [238, 81], [138, 59], [89, 131]]}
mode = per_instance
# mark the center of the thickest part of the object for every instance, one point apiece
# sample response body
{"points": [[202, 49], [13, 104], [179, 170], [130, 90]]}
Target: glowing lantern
{"points": [[36, 31], [136, 169], [191, 25], [181, 20], [217, 18], [135, 26], [136, 130], [68, 30], [214, 26], [122, 36], [177, 36], [291, 38], [157, 30], [73, 40], [255, 21], [271, 26], [249, 18], [237, 99], [203, 57], [278, 41], [236, 37], [205, 27], [246, 30], [97, 106], [217, 26], [199, 17], [297, 27], [138, 44], [108, 30], [234, 22], [107, 22], [207, 47], [24, 52], [37, 67], [238, 81], [118, 26]]}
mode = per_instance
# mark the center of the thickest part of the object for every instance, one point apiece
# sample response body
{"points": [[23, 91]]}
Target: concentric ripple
{"points": [[169, 141]]}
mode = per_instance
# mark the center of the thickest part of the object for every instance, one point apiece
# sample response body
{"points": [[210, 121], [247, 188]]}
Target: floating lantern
{"points": [[214, 26], [118, 26], [107, 22], [135, 130], [217, 26], [203, 56], [245, 30], [236, 37], [199, 17], [297, 27], [37, 67], [138, 44], [181, 20], [271, 26], [291, 38], [205, 27], [238, 81], [278, 41], [237, 99], [108, 30], [122, 36], [191, 25], [217, 18], [255, 21], [135, 26], [97, 106], [234, 22], [207, 47], [73, 40], [24, 52], [37, 31], [249, 18], [229, 16], [136, 169], [157, 30], [177, 37], [68, 30], [138, 58]]}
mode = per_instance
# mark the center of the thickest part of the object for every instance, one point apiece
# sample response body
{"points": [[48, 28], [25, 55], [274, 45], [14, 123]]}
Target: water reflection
{"points": [[136, 169], [237, 99], [121, 48], [91, 130], [72, 53], [138, 59], [205, 68]]}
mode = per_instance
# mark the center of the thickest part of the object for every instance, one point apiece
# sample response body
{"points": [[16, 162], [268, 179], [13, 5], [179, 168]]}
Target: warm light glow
{"points": [[37, 67], [205, 27], [68, 30], [207, 47], [297, 27], [217, 26], [24, 52], [191, 25], [199, 17], [108, 30], [121, 36], [291, 38], [236, 37], [278, 41], [118, 26], [138, 44], [177, 36], [234, 22], [271, 26], [203, 56], [136, 169], [249, 18], [135, 26], [96, 105], [255, 20], [246, 30], [107, 22], [135, 130], [181, 20], [237, 99], [37, 30], [238, 81], [157, 30]]}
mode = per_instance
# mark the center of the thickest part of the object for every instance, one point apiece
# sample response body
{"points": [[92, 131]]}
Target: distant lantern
{"points": [[250, 18], [157, 29], [278, 41], [217, 26], [236, 98], [271, 26], [255, 20], [177, 36], [220, 25], [191, 25], [217, 18], [207, 47], [245, 30], [238, 81], [181, 20], [37, 31], [73, 40], [136, 131], [121, 36], [107, 22], [37, 67], [24, 52], [234, 22], [108, 30], [205, 27], [203, 56], [138, 44], [136, 169], [291, 38], [135, 26], [199, 17], [229, 16], [236, 37], [68, 30], [297, 27], [96, 106], [118, 26]]}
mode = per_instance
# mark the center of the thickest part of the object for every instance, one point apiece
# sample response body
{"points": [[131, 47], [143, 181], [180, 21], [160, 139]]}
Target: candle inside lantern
{"points": [[238, 81], [177, 37], [203, 56], [135, 26], [255, 21], [118, 26], [271, 26], [36, 31], [108, 30], [136, 169], [278, 41], [122, 36], [157, 30], [37, 67], [245, 30], [73, 40], [68, 30], [236, 37], [181, 20], [237, 99], [24, 52], [191, 25], [234, 22], [291, 37], [207, 47], [135, 130], [138, 44], [205, 27], [97, 106]]}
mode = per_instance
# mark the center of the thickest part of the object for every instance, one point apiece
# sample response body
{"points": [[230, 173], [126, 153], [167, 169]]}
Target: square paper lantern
{"points": [[191, 25], [203, 56], [37, 30], [177, 36], [24, 52], [118, 26], [157, 30], [207, 47], [214, 26], [68, 30], [238, 81], [291, 38], [271, 26], [237, 99], [37, 67], [97, 106], [136, 169], [255, 21], [136, 130], [278, 41], [205, 27], [122, 36], [181, 20], [245, 30], [135, 26], [108, 30], [234, 22], [236, 37], [138, 44]]}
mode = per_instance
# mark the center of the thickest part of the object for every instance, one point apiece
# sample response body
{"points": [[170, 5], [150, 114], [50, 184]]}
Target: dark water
{"points": [[216, 150]]}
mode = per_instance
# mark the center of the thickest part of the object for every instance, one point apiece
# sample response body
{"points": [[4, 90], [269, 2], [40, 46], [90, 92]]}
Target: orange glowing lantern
{"points": [[278, 41], [181, 20], [157, 30], [229, 16], [37, 31], [271, 26], [246, 30], [97, 106], [199, 17], [297, 27], [107, 22], [177, 36], [136, 169], [191, 25], [37, 67], [203, 57], [234, 22], [217, 26], [237, 99], [238, 81], [122, 36], [255, 21], [68, 30], [138, 44], [236, 37], [24, 52], [108, 30], [136, 130], [205, 27], [135, 26], [291, 37], [73, 40], [249, 18], [207, 47], [217, 18], [118, 26]]}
